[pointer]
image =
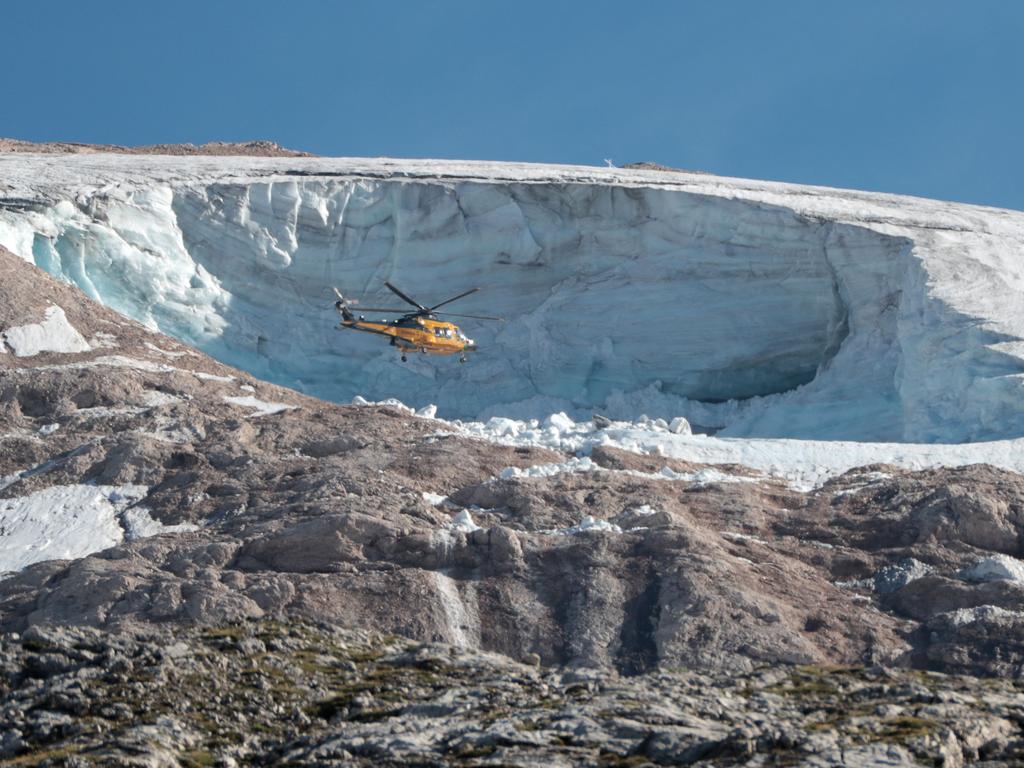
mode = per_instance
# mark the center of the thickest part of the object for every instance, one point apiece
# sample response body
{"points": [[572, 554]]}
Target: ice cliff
{"points": [[760, 309]]}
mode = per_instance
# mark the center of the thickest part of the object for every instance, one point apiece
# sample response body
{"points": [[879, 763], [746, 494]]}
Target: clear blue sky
{"points": [[915, 96]]}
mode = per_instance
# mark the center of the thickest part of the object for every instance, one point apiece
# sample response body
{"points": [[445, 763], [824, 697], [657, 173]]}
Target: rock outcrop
{"points": [[294, 693]]}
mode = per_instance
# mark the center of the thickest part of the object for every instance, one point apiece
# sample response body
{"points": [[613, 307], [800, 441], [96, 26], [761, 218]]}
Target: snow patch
{"points": [[588, 524], [644, 510], [736, 536], [62, 523], [212, 377], [53, 334], [995, 568], [139, 524], [963, 617], [166, 352], [464, 522], [117, 360], [707, 476], [868, 480], [391, 402], [434, 499], [104, 412], [461, 620], [262, 407], [154, 398], [103, 340], [110, 361]]}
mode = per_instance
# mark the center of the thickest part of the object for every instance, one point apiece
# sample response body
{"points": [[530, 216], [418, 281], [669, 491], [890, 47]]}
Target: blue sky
{"points": [[912, 96]]}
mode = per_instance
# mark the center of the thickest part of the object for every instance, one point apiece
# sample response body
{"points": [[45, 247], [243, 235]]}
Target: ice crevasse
{"points": [[755, 309]]}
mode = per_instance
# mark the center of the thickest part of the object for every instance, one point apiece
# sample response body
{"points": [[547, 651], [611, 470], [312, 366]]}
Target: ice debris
{"points": [[576, 464], [679, 426]]}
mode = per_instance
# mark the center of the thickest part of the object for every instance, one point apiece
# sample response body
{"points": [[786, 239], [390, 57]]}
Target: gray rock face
{"points": [[893, 578], [321, 511], [271, 692]]}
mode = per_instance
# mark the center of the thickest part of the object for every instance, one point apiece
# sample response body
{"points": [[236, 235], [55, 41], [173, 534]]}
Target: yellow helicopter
{"points": [[416, 331]]}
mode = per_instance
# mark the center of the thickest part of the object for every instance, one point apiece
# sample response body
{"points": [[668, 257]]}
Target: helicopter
{"points": [[416, 331]]}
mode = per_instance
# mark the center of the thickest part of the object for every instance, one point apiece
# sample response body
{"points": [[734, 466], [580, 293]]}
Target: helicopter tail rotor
{"points": [[342, 305]]}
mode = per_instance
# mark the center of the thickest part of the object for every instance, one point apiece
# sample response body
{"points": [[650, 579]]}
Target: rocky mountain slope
{"points": [[230, 498]]}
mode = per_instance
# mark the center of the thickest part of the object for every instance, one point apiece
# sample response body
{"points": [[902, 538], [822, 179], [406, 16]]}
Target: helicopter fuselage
{"points": [[416, 334]]}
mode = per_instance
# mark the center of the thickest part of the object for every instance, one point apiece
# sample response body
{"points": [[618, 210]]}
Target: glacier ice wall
{"points": [[756, 309]]}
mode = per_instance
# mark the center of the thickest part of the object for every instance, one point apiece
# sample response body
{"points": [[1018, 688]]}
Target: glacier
{"points": [[753, 309]]}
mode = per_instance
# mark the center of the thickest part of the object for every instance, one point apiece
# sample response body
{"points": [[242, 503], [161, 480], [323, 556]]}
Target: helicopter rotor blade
{"points": [[474, 317], [403, 297], [454, 298], [387, 309]]}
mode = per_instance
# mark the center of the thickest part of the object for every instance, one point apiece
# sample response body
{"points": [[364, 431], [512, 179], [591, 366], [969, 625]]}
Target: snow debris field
{"points": [[798, 330]]}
